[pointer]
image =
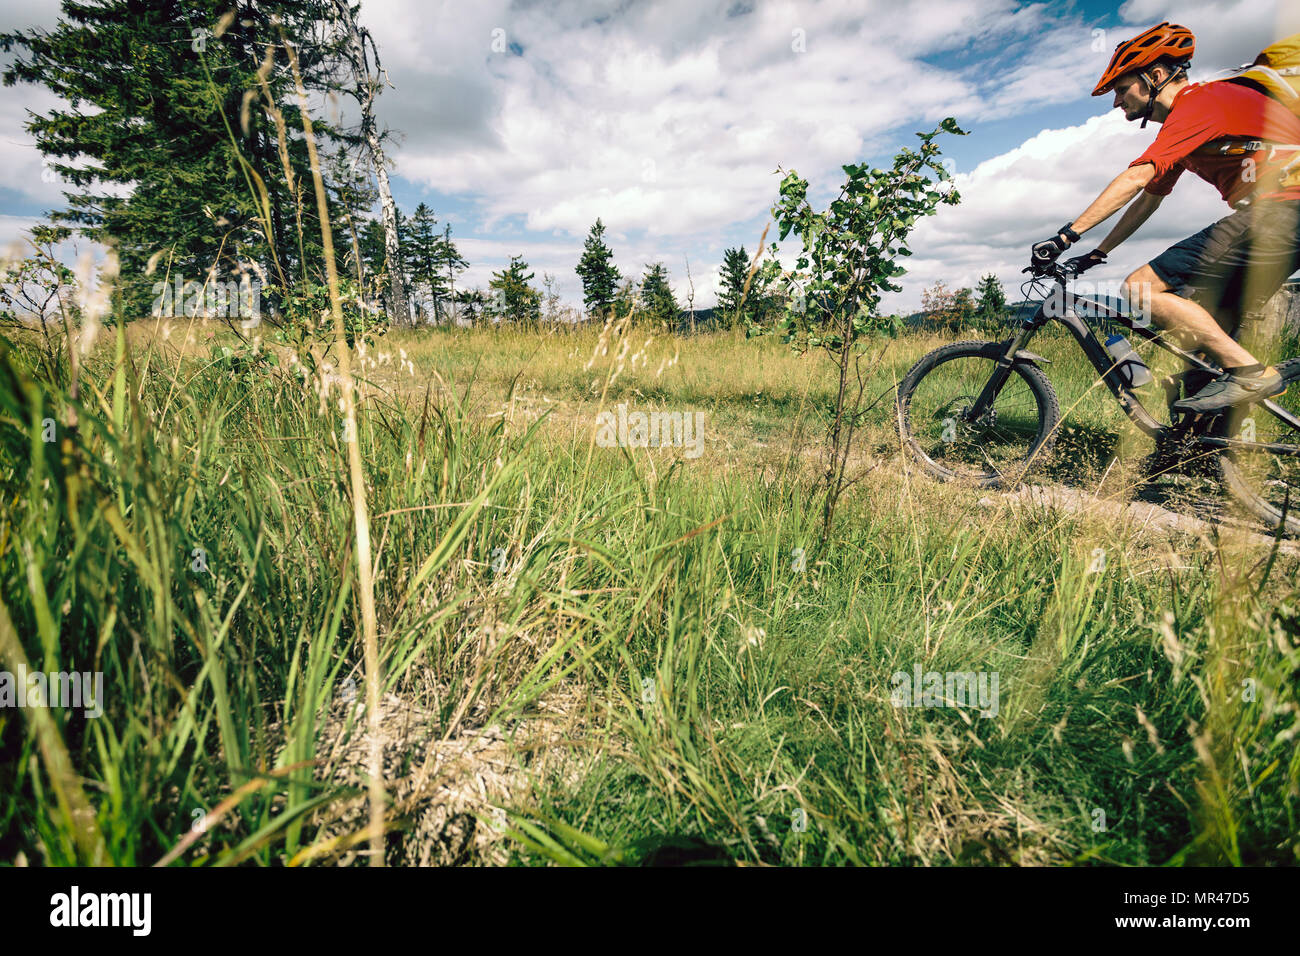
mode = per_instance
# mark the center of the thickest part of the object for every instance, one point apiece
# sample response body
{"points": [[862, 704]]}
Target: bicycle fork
{"points": [[1006, 362]]}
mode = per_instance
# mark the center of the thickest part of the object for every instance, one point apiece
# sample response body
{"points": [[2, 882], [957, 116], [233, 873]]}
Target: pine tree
{"points": [[735, 266], [599, 275], [421, 246], [624, 300], [154, 97], [449, 261], [657, 296], [514, 300], [471, 303], [374, 262], [992, 304]]}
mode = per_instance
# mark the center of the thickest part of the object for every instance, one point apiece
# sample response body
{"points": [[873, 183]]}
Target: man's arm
{"points": [[1138, 212], [1114, 198]]}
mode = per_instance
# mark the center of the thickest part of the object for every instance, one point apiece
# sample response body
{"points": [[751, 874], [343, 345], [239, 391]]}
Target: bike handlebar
{"points": [[1052, 269]]}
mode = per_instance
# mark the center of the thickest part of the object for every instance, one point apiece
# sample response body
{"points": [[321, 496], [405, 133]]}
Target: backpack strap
{"points": [[1235, 146]]}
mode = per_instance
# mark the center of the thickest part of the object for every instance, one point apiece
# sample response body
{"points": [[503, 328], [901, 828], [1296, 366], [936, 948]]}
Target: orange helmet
{"points": [[1164, 40]]}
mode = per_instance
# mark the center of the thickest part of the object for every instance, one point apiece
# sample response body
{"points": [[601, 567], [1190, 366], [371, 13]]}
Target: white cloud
{"points": [[24, 170], [672, 116], [13, 230]]}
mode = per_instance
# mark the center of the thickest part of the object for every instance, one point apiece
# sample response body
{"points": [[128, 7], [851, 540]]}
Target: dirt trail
{"points": [[1137, 515]]}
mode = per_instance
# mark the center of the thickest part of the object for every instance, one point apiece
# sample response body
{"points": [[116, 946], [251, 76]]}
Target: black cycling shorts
{"points": [[1232, 267]]}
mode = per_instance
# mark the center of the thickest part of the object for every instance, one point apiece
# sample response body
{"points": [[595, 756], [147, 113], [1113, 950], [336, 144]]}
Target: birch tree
{"points": [[360, 52]]}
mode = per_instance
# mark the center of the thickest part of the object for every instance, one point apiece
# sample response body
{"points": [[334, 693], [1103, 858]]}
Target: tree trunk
{"points": [[367, 89], [451, 280]]}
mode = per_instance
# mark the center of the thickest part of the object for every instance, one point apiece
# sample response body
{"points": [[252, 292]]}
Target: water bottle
{"points": [[1128, 362]]}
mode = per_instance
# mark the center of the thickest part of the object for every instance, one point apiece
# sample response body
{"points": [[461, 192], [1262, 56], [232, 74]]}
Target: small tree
{"points": [[991, 308], [735, 268], [514, 300], [41, 292], [550, 299], [690, 294], [950, 310], [624, 300], [449, 262], [420, 248], [657, 297], [963, 306], [846, 263], [472, 305], [598, 273]]}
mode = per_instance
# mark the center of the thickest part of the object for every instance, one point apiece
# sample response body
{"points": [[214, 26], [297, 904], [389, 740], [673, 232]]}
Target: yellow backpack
{"points": [[1275, 73], [1277, 69]]}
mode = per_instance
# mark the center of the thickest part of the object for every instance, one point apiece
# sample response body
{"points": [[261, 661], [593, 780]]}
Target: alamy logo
{"points": [[978, 691], [653, 430], [187, 298], [1061, 301], [61, 689], [102, 909]]}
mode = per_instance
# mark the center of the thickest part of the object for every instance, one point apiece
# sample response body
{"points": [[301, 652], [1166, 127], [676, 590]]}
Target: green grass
{"points": [[1121, 690]]}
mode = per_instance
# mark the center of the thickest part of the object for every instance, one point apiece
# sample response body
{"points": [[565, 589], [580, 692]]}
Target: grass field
{"points": [[637, 654]]}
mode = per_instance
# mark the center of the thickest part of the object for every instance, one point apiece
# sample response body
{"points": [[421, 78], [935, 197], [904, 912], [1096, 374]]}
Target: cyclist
{"points": [[1199, 288]]}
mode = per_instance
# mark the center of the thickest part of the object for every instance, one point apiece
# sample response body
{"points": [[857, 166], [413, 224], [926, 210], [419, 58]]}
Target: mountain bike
{"points": [[985, 412]]}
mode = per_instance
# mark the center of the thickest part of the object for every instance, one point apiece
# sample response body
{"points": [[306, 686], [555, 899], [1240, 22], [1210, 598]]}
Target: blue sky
{"points": [[520, 123]]}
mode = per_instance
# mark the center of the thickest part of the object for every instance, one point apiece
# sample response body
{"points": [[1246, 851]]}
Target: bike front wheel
{"points": [[934, 401]]}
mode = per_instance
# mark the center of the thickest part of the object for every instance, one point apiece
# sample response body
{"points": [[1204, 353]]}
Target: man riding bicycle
{"points": [[1198, 289]]}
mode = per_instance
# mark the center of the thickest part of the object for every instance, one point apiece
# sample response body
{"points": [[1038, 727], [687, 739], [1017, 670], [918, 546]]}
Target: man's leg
{"points": [[1231, 265], [1190, 325]]}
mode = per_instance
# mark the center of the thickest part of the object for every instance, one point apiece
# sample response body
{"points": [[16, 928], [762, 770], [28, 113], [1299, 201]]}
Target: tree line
{"points": [[747, 294]]}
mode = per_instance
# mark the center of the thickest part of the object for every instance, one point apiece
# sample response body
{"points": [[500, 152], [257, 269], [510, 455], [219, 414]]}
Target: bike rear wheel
{"points": [[1267, 483], [994, 450]]}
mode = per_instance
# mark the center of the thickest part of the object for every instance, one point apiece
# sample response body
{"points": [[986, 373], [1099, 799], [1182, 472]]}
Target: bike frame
{"points": [[1061, 307]]}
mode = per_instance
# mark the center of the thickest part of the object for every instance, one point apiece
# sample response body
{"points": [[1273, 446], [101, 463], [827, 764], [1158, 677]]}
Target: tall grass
{"points": [[1148, 710]]}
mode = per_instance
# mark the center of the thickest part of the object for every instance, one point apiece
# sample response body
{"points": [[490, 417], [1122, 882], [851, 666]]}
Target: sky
{"points": [[521, 122]]}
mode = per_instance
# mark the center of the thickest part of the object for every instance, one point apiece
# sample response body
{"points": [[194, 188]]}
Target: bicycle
{"points": [[985, 412]]}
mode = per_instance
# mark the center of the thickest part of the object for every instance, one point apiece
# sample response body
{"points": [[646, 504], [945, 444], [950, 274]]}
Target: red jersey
{"points": [[1202, 112]]}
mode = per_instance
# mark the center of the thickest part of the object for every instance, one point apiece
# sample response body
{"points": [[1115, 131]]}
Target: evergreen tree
{"points": [[449, 261], [657, 296], [992, 304], [599, 275], [374, 262], [514, 300], [472, 303], [624, 300], [735, 266], [154, 98], [421, 246]]}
